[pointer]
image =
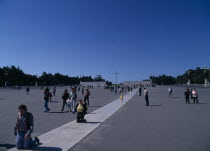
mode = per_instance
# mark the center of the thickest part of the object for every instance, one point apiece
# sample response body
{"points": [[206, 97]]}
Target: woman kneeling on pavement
{"points": [[81, 111]]}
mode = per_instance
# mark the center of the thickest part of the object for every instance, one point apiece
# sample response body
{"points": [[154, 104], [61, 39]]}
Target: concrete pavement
{"points": [[43, 122], [68, 135], [168, 124]]}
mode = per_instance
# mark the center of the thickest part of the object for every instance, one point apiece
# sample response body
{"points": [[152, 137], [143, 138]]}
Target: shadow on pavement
{"points": [[83, 97], [155, 105], [93, 122], [56, 112], [46, 149], [198, 103], [94, 106], [7, 146]]}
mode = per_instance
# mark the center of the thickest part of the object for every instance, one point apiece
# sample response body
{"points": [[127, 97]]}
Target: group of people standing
{"points": [[24, 121], [69, 99], [70, 102], [193, 94]]}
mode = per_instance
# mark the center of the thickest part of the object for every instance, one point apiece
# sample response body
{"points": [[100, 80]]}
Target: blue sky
{"points": [[91, 37]]}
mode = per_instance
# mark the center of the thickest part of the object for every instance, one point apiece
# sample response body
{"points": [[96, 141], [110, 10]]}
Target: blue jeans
{"points": [[22, 142], [73, 104], [46, 105]]}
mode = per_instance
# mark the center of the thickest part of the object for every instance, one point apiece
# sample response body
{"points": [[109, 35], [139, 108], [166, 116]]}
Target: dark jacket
{"points": [[46, 96], [24, 122], [65, 96], [187, 94]]}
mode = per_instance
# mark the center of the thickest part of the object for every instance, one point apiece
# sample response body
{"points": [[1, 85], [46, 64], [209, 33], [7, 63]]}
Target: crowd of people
{"points": [[24, 121], [70, 102]]}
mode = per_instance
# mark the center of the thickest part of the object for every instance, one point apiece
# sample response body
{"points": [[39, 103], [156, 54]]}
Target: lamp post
{"points": [[188, 72], [6, 74], [205, 76]]}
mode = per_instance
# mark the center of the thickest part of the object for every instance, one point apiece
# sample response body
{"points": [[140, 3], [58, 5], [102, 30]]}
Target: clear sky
{"points": [[91, 37]]}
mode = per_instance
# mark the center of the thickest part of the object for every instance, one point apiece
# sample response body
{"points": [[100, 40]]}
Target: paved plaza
{"points": [[43, 122], [167, 124]]}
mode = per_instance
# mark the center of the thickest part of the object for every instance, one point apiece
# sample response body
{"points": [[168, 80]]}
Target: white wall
{"points": [[93, 83]]}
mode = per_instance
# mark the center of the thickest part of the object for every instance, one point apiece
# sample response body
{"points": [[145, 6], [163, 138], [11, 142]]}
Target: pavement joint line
{"points": [[68, 135]]}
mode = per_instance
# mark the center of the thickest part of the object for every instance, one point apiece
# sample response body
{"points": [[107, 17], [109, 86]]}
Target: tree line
{"points": [[196, 76], [12, 76]]}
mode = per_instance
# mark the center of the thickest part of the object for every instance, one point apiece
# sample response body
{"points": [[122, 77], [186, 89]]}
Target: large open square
{"points": [[119, 47], [168, 123], [43, 122]]}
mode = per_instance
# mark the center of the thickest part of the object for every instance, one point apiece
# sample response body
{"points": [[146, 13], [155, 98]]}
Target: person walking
{"points": [[83, 90], [170, 91], [140, 89], [50, 96], [120, 91], [54, 90], [27, 90], [46, 99], [86, 97], [81, 111], [187, 96], [195, 96], [146, 95], [65, 97], [115, 90], [24, 128], [74, 100]]}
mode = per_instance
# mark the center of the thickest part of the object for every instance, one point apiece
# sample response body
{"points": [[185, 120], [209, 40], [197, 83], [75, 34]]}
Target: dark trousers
{"points": [[139, 93], [64, 103], [147, 100], [80, 117], [86, 100], [187, 100], [195, 99]]}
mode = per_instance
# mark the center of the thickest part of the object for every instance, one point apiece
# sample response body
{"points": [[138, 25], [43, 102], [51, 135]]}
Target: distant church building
{"points": [[95, 83], [145, 82]]}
